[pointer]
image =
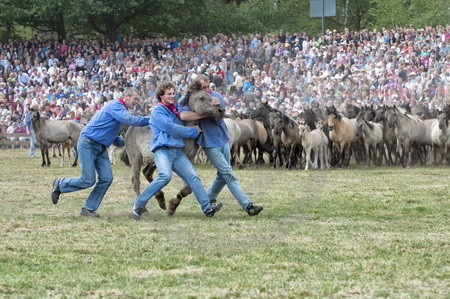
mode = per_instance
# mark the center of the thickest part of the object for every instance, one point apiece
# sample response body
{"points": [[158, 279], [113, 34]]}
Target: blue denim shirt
{"points": [[28, 122], [214, 132], [168, 130], [105, 125]]}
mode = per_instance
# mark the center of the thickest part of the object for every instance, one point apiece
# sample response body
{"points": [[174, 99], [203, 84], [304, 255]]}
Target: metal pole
{"points": [[346, 14], [323, 15]]}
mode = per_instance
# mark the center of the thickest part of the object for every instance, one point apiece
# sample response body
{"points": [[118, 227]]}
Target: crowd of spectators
{"points": [[369, 67]]}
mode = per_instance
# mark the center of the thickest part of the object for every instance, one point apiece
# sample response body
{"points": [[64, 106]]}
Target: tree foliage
{"points": [[150, 18]]}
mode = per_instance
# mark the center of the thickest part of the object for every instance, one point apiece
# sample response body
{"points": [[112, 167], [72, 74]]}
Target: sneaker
{"points": [[254, 210], [213, 208], [55, 191], [88, 213], [138, 211]]}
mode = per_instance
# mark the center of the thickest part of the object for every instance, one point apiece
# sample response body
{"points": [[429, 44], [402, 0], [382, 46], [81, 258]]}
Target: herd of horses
{"points": [[319, 137], [389, 133]]}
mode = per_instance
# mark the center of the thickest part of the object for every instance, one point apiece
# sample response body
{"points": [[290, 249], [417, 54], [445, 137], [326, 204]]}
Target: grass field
{"points": [[372, 232]]}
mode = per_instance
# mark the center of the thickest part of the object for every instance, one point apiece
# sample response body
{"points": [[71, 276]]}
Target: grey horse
{"points": [[137, 147], [56, 131]]}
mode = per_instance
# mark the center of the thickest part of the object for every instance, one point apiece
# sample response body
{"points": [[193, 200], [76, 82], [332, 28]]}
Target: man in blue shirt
{"points": [[214, 140], [167, 143], [29, 126], [95, 138]]}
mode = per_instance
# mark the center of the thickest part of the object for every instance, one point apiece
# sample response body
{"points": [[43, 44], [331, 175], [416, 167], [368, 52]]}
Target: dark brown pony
{"points": [[289, 136], [389, 139]]}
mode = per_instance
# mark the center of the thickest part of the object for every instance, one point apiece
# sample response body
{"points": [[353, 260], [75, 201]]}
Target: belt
{"points": [[93, 141]]}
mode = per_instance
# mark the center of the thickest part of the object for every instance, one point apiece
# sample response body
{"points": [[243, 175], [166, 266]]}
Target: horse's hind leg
{"points": [[175, 202]]}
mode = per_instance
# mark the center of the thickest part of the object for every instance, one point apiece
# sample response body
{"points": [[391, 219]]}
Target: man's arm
{"points": [[190, 115]]}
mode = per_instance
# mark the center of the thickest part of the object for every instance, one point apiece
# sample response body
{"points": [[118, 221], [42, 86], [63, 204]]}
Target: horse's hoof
{"points": [[173, 205], [162, 205], [144, 210]]}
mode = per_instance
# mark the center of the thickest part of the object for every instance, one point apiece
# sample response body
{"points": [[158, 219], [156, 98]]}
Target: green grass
{"points": [[372, 232]]}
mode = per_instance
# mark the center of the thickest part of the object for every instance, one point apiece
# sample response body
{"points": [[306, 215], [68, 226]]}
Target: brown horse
{"points": [[261, 113], [56, 131], [290, 138], [342, 134], [389, 139], [137, 147]]}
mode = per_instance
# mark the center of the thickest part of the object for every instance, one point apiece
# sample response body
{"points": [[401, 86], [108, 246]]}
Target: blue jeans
{"points": [[166, 160], [93, 158], [220, 158], [32, 143]]}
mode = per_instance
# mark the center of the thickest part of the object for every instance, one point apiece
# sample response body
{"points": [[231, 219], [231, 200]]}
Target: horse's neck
{"points": [[444, 124], [38, 124], [338, 124]]}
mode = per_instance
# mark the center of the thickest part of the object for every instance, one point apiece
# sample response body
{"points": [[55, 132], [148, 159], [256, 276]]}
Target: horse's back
{"points": [[137, 144], [234, 131], [262, 132], [248, 130], [426, 138], [54, 131], [418, 129]]}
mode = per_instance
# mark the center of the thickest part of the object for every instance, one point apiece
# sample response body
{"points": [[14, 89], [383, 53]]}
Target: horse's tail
{"points": [[124, 157]]}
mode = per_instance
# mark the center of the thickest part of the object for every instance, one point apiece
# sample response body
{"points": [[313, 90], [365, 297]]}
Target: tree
{"points": [[107, 16], [42, 15]]}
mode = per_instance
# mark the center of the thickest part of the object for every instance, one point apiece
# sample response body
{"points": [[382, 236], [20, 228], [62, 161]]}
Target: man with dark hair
{"points": [[214, 140], [95, 138], [167, 143]]}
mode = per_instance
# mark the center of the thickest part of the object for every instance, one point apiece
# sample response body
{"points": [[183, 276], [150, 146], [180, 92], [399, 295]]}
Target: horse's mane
{"points": [[333, 110], [369, 124], [288, 120], [407, 107], [310, 118], [194, 87]]}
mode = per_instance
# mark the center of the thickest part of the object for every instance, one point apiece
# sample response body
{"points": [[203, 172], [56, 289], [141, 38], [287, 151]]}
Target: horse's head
{"points": [[369, 115], [360, 126], [379, 114], [302, 128], [319, 125], [333, 117], [391, 116], [443, 121], [261, 111], [34, 113], [276, 121], [352, 111], [200, 102]]}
